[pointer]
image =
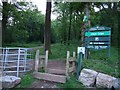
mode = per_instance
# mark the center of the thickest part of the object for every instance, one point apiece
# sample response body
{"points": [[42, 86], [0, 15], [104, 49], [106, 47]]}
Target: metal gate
{"points": [[16, 60]]}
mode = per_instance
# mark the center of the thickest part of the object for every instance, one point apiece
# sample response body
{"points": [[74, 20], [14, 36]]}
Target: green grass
{"points": [[72, 83], [98, 61], [26, 81], [102, 66], [26, 45], [103, 55], [59, 51]]}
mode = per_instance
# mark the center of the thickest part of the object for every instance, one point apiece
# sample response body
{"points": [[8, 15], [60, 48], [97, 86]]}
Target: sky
{"points": [[41, 4]]}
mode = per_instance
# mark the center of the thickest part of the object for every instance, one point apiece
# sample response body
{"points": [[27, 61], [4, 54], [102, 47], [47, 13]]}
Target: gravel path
{"points": [[43, 84]]}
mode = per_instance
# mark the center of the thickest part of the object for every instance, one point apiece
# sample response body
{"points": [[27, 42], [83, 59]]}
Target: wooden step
{"points": [[57, 71], [50, 77]]}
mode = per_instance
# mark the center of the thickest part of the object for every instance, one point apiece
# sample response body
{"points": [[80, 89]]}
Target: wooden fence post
{"points": [[46, 60], [73, 63], [37, 60], [67, 64]]}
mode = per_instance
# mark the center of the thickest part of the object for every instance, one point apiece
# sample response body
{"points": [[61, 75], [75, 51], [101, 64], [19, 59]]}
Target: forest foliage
{"points": [[25, 23]]}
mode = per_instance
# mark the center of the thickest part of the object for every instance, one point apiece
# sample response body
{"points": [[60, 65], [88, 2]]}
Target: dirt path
{"points": [[53, 64], [38, 47], [43, 84]]}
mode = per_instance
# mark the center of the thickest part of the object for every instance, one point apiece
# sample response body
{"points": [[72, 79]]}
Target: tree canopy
{"points": [[25, 23]]}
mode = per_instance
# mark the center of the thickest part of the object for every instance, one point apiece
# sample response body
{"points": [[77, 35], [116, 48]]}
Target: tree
{"points": [[4, 21], [70, 23], [108, 15], [47, 30], [22, 22], [86, 25], [70, 17]]}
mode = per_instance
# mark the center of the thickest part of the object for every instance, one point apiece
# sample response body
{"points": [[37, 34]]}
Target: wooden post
{"points": [[67, 64], [46, 60], [74, 54], [73, 63], [37, 60], [79, 64]]}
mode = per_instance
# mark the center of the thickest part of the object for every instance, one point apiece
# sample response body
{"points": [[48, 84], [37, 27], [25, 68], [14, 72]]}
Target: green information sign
{"points": [[100, 33], [97, 38]]}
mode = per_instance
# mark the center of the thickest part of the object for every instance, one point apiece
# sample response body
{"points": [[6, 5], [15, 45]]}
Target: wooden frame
{"points": [[50, 77], [50, 74], [70, 60]]}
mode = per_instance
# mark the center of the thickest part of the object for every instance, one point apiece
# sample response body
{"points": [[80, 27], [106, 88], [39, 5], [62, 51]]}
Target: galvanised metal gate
{"points": [[16, 60]]}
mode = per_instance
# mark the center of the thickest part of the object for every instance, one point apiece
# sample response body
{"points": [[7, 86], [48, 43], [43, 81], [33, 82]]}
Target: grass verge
{"points": [[72, 83], [26, 81], [98, 61]]}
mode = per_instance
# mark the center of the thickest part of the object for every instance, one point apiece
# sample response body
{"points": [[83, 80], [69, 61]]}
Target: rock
{"points": [[54, 86], [87, 77], [116, 84], [104, 80], [9, 81]]}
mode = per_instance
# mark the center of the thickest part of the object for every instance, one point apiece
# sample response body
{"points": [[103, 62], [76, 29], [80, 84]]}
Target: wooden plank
{"points": [[56, 71], [50, 77], [37, 60], [72, 59], [67, 63], [71, 69], [73, 54], [42, 61], [42, 56], [73, 63], [46, 60]]}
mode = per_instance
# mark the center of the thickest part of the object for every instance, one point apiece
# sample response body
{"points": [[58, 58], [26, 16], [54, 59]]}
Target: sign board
{"points": [[98, 43], [98, 47], [81, 49], [98, 33], [97, 38]]}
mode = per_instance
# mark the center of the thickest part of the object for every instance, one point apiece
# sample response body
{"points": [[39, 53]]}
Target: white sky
{"points": [[41, 4]]}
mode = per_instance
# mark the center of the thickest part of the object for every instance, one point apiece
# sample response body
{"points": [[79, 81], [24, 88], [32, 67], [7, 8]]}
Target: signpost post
{"points": [[98, 38]]}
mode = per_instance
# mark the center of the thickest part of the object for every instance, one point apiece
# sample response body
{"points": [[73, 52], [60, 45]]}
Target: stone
{"points": [[104, 80], [9, 81], [88, 77], [116, 84]]}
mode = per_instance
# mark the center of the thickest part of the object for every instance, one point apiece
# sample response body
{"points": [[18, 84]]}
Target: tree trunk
{"points": [[85, 26], [47, 30], [69, 31], [74, 28], [4, 22]]}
